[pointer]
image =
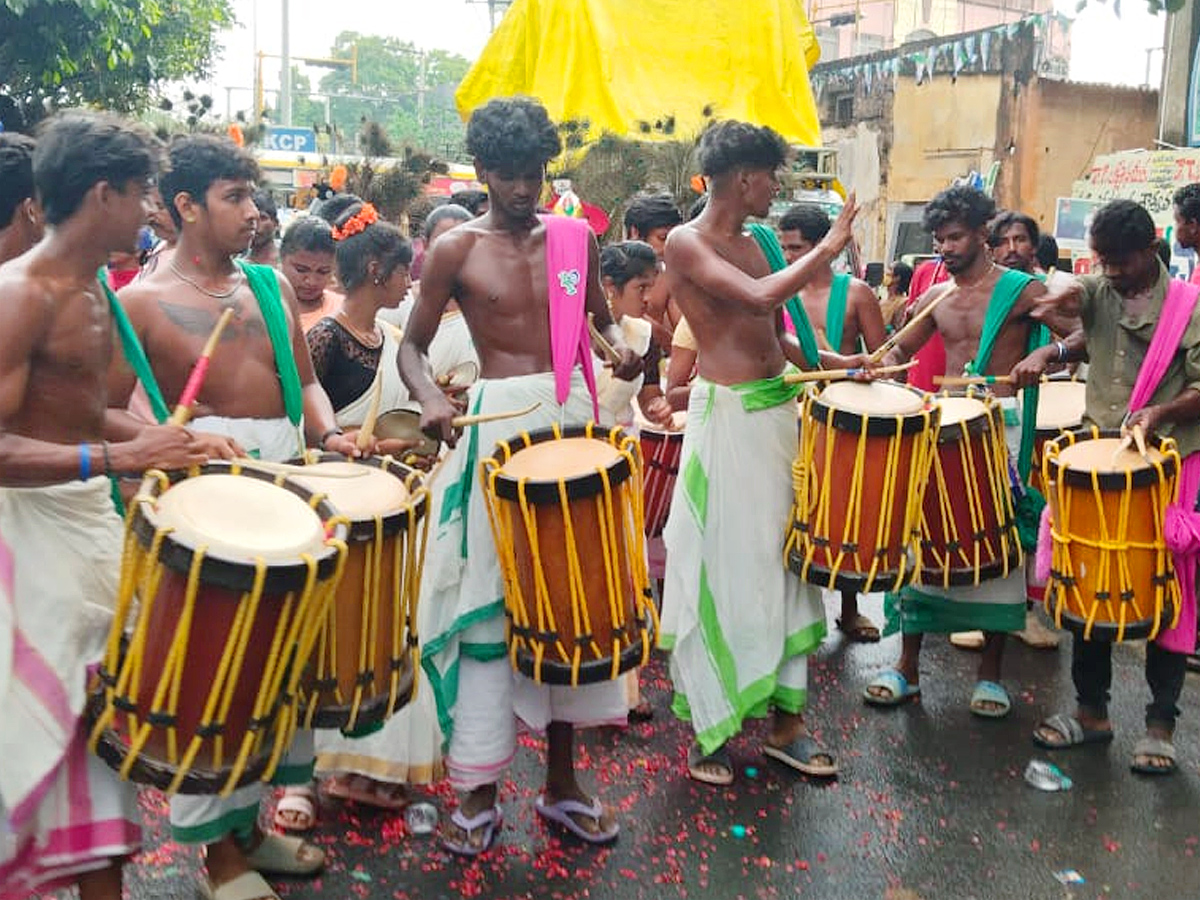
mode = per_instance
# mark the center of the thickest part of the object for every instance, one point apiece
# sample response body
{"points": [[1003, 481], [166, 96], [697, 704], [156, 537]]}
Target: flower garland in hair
{"points": [[357, 223]]}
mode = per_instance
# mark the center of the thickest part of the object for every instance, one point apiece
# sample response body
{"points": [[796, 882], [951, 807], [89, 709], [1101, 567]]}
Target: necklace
{"points": [[372, 342], [216, 295], [978, 281]]}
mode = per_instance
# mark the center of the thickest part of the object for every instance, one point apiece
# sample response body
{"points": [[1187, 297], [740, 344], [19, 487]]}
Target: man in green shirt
{"points": [[1110, 319]]}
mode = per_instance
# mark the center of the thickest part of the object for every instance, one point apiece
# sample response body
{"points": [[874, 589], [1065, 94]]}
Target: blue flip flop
{"points": [[897, 686], [489, 820], [563, 812], [990, 692], [799, 755]]}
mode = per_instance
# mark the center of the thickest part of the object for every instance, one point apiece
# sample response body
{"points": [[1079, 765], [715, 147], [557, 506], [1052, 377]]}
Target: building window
{"points": [[827, 39], [843, 109]]}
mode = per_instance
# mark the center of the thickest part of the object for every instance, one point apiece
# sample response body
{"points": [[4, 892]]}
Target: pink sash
{"points": [[1182, 522], [567, 279]]}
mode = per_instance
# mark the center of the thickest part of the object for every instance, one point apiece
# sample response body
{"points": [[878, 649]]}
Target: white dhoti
{"points": [[199, 819], [62, 811], [462, 599], [739, 625]]}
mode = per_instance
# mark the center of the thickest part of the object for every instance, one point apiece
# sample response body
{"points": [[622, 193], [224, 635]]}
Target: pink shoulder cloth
{"points": [[567, 242]]}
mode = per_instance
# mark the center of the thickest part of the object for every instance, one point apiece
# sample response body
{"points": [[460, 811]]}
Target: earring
{"points": [[190, 220], [378, 281]]}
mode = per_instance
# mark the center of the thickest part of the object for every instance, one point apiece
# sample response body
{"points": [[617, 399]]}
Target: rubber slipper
{"points": [[379, 794], [247, 886], [897, 686], [1072, 732], [990, 692], [489, 821], [967, 640], [719, 757], [860, 630], [799, 755], [1152, 746], [301, 804], [563, 812], [278, 854]]}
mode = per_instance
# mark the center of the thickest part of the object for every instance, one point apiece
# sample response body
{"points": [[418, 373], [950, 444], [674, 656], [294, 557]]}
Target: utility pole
{"points": [[422, 78], [285, 81]]}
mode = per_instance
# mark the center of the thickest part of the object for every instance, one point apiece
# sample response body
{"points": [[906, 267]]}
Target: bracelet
{"points": [[327, 435], [85, 462], [1062, 351]]}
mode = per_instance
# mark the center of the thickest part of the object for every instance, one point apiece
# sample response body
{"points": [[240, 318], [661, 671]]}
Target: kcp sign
{"points": [[292, 140]]}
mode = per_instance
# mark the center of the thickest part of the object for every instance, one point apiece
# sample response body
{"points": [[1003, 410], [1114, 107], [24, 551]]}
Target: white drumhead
{"points": [[360, 492], [1060, 405], [960, 409], [239, 517], [873, 398], [566, 458], [1096, 455]]}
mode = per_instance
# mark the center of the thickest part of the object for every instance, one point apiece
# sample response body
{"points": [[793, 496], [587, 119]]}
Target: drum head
{"points": [[960, 409], [1060, 405], [405, 424], [237, 517], [564, 459], [1097, 456], [357, 491], [464, 374], [873, 398]]}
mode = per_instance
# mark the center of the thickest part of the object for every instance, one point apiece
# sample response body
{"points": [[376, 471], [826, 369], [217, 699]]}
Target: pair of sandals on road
{"points": [[584, 820], [890, 687], [1152, 754], [296, 810], [803, 754]]}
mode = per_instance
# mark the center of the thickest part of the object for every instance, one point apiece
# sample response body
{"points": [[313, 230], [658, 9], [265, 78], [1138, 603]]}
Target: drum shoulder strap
{"points": [[769, 244]]}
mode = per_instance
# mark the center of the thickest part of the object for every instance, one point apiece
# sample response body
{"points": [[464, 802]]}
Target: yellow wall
{"points": [[942, 129]]}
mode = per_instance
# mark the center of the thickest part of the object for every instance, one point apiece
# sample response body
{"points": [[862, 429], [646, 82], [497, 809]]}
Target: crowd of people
{"points": [[706, 316]]}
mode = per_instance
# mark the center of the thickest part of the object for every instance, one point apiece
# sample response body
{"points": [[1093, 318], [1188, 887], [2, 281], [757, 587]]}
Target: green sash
{"points": [[134, 354], [835, 311], [766, 393], [265, 285], [769, 244], [1004, 296]]}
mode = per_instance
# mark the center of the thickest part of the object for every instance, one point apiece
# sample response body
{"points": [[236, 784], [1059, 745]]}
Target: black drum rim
{"points": [[394, 521], [545, 491]]}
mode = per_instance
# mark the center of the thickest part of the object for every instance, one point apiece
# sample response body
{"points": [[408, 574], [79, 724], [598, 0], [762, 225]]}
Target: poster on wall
{"points": [[1072, 218]]}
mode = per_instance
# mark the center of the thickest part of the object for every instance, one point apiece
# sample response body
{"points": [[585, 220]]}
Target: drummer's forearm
{"points": [[1072, 348], [28, 462], [416, 371], [791, 350], [319, 419]]}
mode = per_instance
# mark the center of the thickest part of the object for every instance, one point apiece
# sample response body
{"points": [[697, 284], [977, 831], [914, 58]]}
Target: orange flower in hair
{"points": [[357, 223]]}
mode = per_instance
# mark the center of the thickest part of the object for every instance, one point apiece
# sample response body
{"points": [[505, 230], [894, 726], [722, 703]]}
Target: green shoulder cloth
{"points": [[835, 310], [769, 244], [264, 282], [134, 354]]}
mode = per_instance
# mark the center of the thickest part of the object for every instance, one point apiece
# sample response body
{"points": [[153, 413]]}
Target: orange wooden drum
{"points": [[227, 576], [1111, 575], [968, 523], [859, 476], [566, 511], [661, 452], [364, 667]]}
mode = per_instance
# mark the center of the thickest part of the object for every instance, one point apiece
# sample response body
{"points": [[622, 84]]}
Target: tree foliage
{"points": [[107, 53]]}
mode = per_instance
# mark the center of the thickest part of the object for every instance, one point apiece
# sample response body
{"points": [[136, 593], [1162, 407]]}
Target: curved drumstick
{"points": [[883, 349], [367, 430], [464, 421], [604, 348], [307, 471], [843, 374], [191, 390]]}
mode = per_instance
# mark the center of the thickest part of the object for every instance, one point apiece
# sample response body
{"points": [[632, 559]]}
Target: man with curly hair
{"points": [[982, 314], [495, 266], [739, 626]]}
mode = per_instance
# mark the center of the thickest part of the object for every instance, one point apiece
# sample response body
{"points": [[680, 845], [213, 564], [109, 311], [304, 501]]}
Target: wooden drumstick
{"points": [[1139, 438], [464, 421], [883, 349], [367, 430], [306, 471], [843, 374], [966, 380], [604, 348], [191, 390]]}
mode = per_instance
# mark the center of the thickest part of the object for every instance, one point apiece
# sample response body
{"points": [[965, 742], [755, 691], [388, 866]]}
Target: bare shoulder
{"points": [[141, 293], [861, 292], [29, 303], [452, 247]]}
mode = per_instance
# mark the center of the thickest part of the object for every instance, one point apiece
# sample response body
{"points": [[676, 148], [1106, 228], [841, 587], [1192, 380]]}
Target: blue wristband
{"points": [[85, 462]]}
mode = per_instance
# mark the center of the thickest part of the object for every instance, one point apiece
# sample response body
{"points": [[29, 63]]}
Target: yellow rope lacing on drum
{"points": [[1113, 545], [607, 506], [818, 514], [141, 575]]}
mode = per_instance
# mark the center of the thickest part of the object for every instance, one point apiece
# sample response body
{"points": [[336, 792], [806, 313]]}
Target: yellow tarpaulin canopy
{"points": [[654, 69]]}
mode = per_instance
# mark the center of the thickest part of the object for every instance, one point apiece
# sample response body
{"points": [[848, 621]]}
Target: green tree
{"points": [[409, 90], [107, 53]]}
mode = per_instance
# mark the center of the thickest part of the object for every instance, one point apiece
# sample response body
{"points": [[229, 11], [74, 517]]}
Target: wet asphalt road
{"points": [[931, 804]]}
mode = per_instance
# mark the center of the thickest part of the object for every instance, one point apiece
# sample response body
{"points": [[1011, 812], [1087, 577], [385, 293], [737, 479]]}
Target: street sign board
{"points": [[292, 140]]}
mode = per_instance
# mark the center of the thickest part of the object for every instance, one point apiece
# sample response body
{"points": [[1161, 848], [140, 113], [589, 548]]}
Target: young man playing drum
{"points": [[739, 625], [261, 393], [496, 267], [1113, 321], [64, 816], [982, 314]]}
